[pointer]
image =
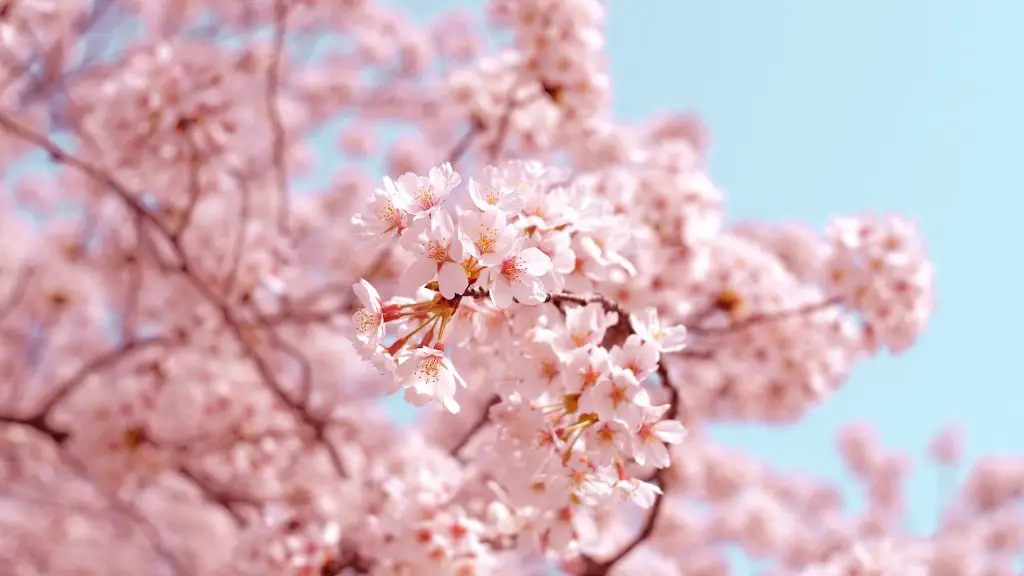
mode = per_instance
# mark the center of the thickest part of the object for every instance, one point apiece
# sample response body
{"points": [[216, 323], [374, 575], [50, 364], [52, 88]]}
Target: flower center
{"points": [[439, 251], [366, 321], [425, 197], [430, 369], [492, 194], [387, 214], [510, 270], [486, 239]]}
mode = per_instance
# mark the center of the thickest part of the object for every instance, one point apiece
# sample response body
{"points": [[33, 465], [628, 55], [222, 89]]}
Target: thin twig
{"points": [[220, 498], [98, 363], [765, 318], [241, 238], [592, 567], [17, 293], [39, 425], [478, 424], [233, 323], [274, 114], [462, 146]]}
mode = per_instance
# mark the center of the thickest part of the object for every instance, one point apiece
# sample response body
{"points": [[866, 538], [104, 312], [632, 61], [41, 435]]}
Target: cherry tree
{"points": [[196, 340]]}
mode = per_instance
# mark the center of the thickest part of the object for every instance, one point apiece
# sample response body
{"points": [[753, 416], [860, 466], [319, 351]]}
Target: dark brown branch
{"points": [[558, 298], [17, 293], [497, 146], [764, 318], [195, 191], [233, 323], [462, 146], [622, 329], [592, 567], [347, 559], [675, 398], [38, 424], [98, 363], [375, 267], [504, 123], [133, 284], [279, 158], [221, 498], [583, 300], [478, 424], [241, 238]]}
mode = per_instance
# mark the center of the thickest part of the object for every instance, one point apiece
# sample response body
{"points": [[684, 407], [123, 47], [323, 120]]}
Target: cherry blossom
{"points": [[647, 326], [491, 193], [482, 233], [203, 309], [517, 276], [384, 218], [368, 321], [426, 374], [421, 196], [440, 256]]}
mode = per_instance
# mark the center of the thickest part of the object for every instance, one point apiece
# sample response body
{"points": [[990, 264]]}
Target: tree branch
{"points": [[478, 425], [221, 498], [231, 321], [274, 114], [765, 318], [14, 297], [63, 389], [347, 559], [39, 425], [114, 500], [462, 146], [592, 567]]}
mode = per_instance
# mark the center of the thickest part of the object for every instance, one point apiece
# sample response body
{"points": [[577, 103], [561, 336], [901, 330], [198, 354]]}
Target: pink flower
{"points": [[368, 321], [636, 356], [618, 396], [649, 327], [653, 434], [427, 375], [423, 196], [227, 414], [517, 276], [490, 192], [439, 256], [384, 217], [585, 326], [484, 233]]}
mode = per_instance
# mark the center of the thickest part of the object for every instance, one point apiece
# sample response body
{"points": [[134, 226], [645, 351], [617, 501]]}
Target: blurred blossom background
{"points": [[821, 108]]}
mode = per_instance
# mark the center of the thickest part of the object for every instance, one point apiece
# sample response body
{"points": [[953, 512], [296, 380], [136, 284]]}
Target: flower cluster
{"points": [[515, 242], [286, 542], [578, 420], [880, 269], [576, 416], [200, 322], [561, 44]]}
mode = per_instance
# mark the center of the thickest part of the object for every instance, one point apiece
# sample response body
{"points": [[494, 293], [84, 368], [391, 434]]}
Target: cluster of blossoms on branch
{"points": [[579, 415], [194, 354]]}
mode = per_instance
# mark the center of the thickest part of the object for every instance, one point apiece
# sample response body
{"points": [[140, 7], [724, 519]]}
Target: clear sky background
{"points": [[818, 108]]}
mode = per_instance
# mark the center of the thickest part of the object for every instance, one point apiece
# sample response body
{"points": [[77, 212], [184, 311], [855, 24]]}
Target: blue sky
{"points": [[819, 108]]}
